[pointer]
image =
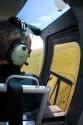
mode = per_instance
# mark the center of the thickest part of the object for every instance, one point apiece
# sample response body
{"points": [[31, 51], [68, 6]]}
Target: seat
{"points": [[35, 89]]}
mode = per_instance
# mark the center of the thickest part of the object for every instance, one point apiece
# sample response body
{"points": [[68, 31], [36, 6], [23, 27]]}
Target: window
{"points": [[64, 72], [41, 13], [36, 58]]}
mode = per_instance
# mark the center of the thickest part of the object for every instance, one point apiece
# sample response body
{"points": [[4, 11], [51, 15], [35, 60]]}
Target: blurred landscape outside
{"points": [[36, 57]]}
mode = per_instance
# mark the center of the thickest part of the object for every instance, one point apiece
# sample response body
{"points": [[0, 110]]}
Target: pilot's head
{"points": [[15, 42]]}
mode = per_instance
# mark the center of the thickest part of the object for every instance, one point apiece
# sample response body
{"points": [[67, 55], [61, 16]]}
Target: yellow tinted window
{"points": [[66, 62]]}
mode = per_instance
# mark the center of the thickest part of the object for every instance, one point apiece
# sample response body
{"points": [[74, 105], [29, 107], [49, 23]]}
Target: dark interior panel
{"points": [[66, 21], [10, 7]]}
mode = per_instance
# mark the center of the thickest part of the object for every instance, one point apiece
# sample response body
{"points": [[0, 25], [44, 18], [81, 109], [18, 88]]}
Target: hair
{"points": [[8, 34]]}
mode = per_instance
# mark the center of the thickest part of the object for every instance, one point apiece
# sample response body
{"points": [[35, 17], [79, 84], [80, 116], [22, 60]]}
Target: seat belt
{"points": [[14, 103]]}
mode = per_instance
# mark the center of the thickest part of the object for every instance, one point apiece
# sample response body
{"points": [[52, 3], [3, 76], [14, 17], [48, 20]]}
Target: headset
{"points": [[18, 50]]}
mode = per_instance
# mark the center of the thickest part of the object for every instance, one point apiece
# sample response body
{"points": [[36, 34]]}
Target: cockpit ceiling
{"points": [[10, 7]]}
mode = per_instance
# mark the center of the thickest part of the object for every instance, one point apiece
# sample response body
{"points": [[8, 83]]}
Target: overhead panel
{"points": [[10, 7]]}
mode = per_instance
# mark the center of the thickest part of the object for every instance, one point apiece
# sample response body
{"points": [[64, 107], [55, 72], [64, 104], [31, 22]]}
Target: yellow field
{"points": [[66, 62]]}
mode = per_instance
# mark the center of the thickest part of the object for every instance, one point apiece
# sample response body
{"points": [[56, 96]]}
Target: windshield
{"points": [[41, 13]]}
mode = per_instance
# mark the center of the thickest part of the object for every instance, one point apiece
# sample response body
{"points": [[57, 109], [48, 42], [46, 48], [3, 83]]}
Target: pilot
{"points": [[15, 47]]}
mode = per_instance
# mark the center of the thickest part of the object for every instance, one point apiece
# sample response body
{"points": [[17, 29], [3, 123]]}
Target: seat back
{"points": [[27, 89]]}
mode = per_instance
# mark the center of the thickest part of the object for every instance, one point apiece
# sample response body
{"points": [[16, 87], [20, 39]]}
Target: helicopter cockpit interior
{"points": [[54, 80]]}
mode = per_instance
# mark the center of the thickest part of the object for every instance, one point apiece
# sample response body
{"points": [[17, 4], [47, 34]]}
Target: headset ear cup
{"points": [[18, 55]]}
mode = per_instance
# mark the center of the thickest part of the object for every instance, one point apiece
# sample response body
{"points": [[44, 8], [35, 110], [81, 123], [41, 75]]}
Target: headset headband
{"points": [[20, 24]]}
